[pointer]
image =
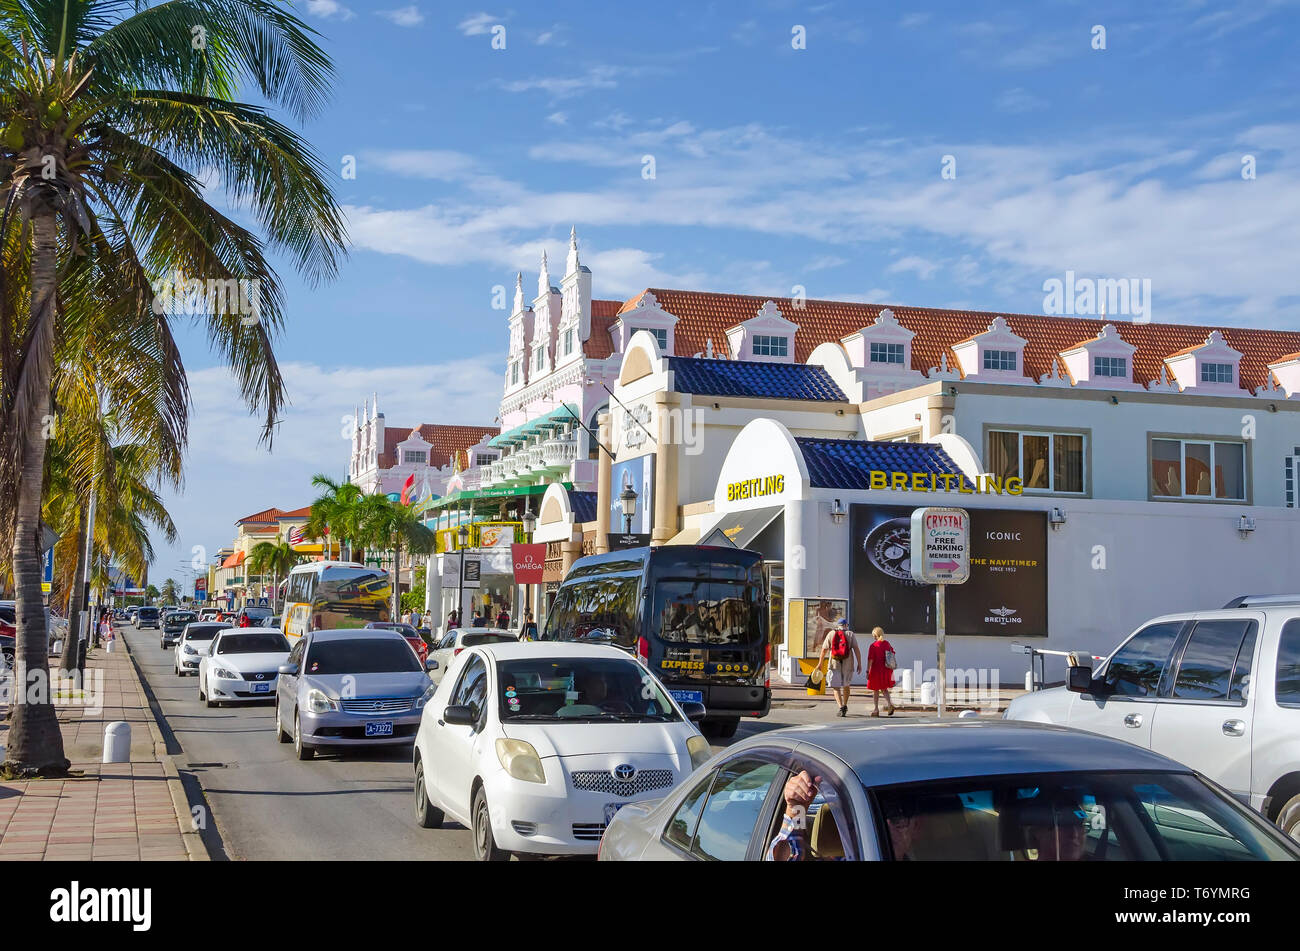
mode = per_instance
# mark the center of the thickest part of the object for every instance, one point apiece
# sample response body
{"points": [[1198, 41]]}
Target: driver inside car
{"points": [[1057, 828]]}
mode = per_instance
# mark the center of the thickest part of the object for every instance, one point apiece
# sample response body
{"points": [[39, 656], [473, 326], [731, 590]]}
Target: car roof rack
{"points": [[1259, 600]]}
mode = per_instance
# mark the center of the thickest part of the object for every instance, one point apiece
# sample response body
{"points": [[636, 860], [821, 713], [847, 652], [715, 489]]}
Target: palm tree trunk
{"points": [[397, 576], [35, 745], [78, 603]]}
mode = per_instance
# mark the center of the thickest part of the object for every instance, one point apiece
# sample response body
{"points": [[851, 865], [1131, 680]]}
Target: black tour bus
{"points": [[696, 615]]}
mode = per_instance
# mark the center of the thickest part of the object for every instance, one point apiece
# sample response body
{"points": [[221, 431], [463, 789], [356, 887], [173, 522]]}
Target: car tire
{"points": [[485, 846], [723, 728], [162, 644], [1288, 819], [426, 815], [280, 734], [201, 697], [301, 749]]}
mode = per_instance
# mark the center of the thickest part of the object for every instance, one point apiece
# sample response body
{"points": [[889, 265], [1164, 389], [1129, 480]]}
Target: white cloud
{"points": [[557, 118], [1019, 100], [403, 16], [228, 475], [562, 87], [914, 20], [329, 9], [555, 36], [476, 24], [920, 266]]}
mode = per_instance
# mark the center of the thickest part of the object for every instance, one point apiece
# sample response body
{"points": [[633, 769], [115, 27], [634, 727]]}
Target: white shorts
{"points": [[840, 676]]}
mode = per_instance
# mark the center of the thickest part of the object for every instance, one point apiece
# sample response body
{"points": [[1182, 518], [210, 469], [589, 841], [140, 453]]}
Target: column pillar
{"points": [[666, 456]]}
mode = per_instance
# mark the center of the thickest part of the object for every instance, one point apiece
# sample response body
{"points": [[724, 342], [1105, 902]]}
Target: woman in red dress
{"points": [[879, 675]]}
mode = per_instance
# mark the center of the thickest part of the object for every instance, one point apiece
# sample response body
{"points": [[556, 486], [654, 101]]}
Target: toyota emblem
{"points": [[624, 772]]}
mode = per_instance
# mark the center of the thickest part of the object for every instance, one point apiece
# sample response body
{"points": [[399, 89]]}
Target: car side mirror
{"points": [[431, 664], [1080, 680], [695, 712], [288, 669], [459, 715]]}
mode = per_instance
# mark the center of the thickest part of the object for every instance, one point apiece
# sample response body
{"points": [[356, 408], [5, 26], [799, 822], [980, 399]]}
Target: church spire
{"points": [[571, 264], [543, 278], [519, 292]]}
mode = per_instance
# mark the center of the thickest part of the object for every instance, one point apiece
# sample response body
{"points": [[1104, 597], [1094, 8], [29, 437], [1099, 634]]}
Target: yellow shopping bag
{"points": [[815, 685]]}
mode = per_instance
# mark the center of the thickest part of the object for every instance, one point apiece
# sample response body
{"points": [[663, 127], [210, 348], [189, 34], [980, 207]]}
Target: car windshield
{"points": [[361, 655], [149, 613], [590, 689], [204, 632], [404, 629], [257, 612], [1062, 817], [180, 618], [262, 643], [473, 640]]}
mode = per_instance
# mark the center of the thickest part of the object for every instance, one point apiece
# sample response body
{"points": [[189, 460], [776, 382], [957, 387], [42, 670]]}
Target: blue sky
{"points": [[774, 167]]}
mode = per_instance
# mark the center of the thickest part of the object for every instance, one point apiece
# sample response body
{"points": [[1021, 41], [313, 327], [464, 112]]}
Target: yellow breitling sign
{"points": [[946, 482], [754, 488]]}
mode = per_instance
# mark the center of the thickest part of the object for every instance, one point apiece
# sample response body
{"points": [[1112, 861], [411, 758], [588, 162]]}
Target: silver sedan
{"points": [[975, 790]]}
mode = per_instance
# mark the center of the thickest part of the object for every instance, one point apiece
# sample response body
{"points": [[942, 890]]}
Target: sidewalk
{"points": [[119, 811], [792, 694]]}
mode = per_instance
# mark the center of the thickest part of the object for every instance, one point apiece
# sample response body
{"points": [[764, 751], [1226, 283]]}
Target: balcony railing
{"points": [[559, 453]]}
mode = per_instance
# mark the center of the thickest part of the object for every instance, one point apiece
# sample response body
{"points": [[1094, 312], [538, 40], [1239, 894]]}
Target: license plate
{"points": [[611, 808], [688, 696], [380, 728], [261, 688]]}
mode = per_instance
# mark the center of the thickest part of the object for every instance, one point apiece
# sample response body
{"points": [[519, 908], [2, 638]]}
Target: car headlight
{"points": [[698, 747], [317, 702], [520, 760], [425, 697], [226, 674], [188, 650]]}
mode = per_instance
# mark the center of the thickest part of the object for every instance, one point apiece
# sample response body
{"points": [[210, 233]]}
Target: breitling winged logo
{"points": [[1003, 611]]}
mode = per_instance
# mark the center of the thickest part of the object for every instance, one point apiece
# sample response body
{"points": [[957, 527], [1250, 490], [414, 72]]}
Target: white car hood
{"points": [[1042, 706], [579, 739], [241, 663]]}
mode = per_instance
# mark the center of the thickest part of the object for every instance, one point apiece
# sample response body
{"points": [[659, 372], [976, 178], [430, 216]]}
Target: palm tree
{"points": [[336, 513], [171, 591], [109, 118], [277, 558], [391, 526]]}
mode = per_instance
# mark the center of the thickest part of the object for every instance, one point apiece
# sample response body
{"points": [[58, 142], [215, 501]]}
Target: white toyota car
{"points": [[243, 663], [194, 643], [535, 746]]}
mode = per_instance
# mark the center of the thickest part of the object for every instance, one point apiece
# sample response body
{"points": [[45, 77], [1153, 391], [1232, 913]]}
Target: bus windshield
{"points": [[345, 595], [708, 612]]}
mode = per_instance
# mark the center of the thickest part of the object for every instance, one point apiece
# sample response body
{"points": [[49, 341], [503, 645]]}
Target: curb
{"points": [[194, 846]]}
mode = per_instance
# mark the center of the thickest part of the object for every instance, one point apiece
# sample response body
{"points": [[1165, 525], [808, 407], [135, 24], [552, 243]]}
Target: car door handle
{"points": [[440, 723], [1133, 720], [1234, 727]]}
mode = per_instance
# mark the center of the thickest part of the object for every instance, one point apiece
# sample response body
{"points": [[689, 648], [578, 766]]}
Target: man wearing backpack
{"points": [[846, 660]]}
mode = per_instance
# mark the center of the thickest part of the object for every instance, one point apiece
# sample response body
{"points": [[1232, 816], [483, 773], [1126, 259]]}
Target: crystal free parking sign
{"points": [[940, 545]]}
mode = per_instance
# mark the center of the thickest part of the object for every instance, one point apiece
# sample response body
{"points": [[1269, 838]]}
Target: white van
{"points": [[1216, 690]]}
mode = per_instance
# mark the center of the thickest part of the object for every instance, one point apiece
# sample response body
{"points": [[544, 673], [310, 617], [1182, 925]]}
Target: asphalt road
{"points": [[263, 803]]}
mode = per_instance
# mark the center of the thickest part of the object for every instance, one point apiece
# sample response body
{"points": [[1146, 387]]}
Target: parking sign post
{"points": [[940, 543]]}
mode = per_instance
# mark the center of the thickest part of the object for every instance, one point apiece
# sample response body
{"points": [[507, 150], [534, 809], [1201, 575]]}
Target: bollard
{"points": [[967, 714], [929, 693], [909, 682], [58, 649], [117, 742], [1029, 681], [108, 645]]}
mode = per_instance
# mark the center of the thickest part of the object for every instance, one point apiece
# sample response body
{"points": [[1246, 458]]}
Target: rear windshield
{"points": [[708, 612], [204, 632], [583, 689], [472, 640], [148, 612], [262, 643], [361, 655], [179, 618], [257, 612]]}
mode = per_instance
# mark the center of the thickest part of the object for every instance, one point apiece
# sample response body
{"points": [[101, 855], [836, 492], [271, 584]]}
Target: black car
{"points": [[7, 651], [147, 617], [173, 624]]}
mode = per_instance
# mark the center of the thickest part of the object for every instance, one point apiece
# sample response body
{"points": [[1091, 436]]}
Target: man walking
{"points": [[846, 660]]}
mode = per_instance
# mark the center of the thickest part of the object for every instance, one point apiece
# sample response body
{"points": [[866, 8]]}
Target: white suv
{"points": [[1216, 690]]}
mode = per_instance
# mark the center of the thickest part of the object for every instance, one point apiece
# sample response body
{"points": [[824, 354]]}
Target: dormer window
{"points": [[888, 353], [1000, 360], [769, 346], [660, 335], [1109, 366], [1216, 372], [413, 455]]}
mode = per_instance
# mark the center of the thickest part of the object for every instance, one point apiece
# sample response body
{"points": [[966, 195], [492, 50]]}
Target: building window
{"points": [[660, 335], [568, 341], [1109, 366], [514, 373], [1216, 372], [541, 359], [999, 359], [888, 353], [1044, 462], [767, 346], [484, 458], [412, 455], [1198, 469], [1290, 478]]}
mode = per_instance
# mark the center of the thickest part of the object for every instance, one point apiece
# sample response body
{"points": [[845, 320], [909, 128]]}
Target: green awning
{"points": [[550, 420], [497, 492]]}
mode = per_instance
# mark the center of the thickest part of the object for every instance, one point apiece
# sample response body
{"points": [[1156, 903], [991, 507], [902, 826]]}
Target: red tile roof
{"points": [[444, 439], [603, 314], [268, 515], [705, 315], [304, 512]]}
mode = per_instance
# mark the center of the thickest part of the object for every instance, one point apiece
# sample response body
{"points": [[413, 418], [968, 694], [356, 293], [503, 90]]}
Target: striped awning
{"points": [[553, 419]]}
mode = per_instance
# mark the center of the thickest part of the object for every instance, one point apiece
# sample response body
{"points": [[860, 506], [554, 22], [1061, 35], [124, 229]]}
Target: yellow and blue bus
{"points": [[323, 595]]}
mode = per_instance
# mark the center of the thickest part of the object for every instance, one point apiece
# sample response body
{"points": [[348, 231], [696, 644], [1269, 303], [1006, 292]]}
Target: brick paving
{"points": [[119, 811]]}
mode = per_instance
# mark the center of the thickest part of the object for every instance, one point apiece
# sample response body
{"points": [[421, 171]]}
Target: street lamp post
{"points": [[628, 498], [530, 522], [463, 534]]}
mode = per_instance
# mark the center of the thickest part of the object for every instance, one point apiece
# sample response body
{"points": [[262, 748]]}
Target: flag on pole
{"points": [[295, 536], [426, 497], [406, 489]]}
